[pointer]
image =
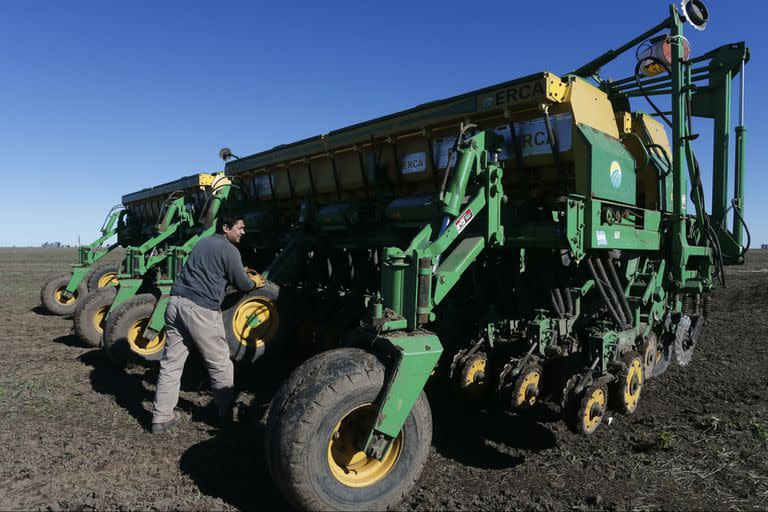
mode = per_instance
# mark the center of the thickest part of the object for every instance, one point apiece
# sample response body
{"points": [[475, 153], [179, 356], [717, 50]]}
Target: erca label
{"points": [[464, 220], [413, 163], [525, 92]]}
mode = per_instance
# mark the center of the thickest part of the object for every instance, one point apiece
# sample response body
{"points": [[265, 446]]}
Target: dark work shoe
{"points": [[159, 428], [227, 417]]}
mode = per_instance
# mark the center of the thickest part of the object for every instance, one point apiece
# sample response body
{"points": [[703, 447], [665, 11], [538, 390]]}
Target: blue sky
{"points": [[99, 99]]}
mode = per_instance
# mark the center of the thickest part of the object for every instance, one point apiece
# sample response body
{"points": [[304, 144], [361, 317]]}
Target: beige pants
{"points": [[187, 322]]}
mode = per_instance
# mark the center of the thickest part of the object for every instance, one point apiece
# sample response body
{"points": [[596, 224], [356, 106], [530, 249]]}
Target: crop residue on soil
{"points": [[72, 432]]}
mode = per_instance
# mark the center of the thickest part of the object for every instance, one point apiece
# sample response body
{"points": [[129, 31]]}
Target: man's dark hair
{"points": [[227, 219]]}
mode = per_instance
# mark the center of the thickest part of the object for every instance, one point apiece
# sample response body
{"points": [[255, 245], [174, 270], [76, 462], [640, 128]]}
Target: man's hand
{"points": [[255, 277]]}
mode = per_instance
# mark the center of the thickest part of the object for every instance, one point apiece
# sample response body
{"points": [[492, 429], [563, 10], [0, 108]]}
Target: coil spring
{"points": [[688, 305]]}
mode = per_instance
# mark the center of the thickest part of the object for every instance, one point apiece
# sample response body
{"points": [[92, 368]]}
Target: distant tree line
{"points": [[54, 244]]}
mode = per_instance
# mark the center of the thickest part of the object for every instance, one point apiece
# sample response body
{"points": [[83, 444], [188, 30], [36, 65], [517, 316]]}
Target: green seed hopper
{"points": [[543, 239]]}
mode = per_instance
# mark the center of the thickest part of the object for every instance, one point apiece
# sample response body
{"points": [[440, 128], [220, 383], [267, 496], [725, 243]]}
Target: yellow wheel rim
{"points": [[108, 279], [529, 383], [347, 463], [633, 384], [472, 377], [593, 412], [99, 317], [58, 295], [259, 308], [140, 345]]}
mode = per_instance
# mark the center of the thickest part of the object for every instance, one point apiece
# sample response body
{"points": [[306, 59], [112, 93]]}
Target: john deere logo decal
{"points": [[615, 174]]}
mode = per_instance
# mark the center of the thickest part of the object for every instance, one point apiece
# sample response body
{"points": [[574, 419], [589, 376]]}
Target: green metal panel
{"points": [[78, 274], [451, 270], [157, 319], [575, 225], [611, 168], [127, 289], [418, 355], [620, 236]]}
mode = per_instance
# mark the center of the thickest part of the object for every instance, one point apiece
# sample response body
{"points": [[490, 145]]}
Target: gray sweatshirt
{"points": [[212, 264]]}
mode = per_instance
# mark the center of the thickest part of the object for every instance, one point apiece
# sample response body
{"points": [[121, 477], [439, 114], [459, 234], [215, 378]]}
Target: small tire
{"points": [[628, 386], [586, 410], [471, 378], [247, 344], [50, 295], [307, 414], [125, 324], [526, 389], [102, 277], [91, 314]]}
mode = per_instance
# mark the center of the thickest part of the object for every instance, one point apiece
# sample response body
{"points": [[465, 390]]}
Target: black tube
{"points": [[619, 291], [568, 301], [600, 289], [642, 90], [559, 300], [555, 306], [611, 292]]}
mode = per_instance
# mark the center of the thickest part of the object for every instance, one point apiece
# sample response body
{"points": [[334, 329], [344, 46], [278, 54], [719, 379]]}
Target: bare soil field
{"points": [[73, 427]]}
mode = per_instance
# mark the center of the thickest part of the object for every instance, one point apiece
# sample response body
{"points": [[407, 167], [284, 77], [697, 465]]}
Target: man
{"points": [[194, 316]]}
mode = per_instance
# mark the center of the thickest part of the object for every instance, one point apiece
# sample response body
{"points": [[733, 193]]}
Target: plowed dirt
{"points": [[73, 426]]}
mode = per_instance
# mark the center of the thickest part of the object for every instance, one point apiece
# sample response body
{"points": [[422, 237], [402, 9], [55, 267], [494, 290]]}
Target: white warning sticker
{"points": [[464, 220], [601, 238]]}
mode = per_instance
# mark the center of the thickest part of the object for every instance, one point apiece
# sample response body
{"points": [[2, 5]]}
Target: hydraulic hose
{"points": [[601, 290], [611, 293], [555, 306], [559, 299], [642, 90], [619, 291], [568, 301], [744, 225]]}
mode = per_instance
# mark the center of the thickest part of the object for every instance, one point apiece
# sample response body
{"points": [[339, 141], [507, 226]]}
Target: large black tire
{"points": [[125, 324], [306, 412], [246, 344], [50, 295], [102, 276], [91, 314]]}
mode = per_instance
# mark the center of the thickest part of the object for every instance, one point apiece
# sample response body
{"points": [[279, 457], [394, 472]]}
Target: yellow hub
{"points": [[108, 279], [140, 345], [475, 373], [527, 388], [633, 384], [594, 409], [348, 464], [255, 322], [99, 317], [58, 295]]}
